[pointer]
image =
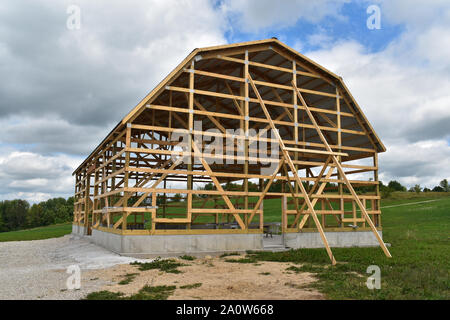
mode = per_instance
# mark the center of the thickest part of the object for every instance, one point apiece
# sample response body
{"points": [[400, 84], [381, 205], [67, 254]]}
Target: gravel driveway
{"points": [[37, 269]]}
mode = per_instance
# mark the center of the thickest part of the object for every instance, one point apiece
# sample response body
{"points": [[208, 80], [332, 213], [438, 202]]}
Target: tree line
{"points": [[394, 185], [18, 214]]}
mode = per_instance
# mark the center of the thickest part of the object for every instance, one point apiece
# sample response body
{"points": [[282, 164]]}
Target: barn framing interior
{"points": [[320, 153]]}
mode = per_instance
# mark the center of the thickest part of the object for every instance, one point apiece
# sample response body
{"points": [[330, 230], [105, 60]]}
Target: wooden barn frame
{"points": [[321, 136]]}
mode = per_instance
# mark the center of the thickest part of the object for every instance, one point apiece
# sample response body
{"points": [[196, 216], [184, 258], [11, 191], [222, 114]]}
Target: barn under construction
{"points": [[189, 168]]}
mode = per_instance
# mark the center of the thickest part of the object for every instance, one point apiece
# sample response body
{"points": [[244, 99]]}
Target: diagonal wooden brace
{"points": [[294, 171], [341, 171]]}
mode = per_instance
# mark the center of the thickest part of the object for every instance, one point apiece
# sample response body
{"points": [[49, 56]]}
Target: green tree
{"points": [[417, 188], [14, 214], [177, 197], [34, 216], [2, 223], [444, 185], [396, 186]]}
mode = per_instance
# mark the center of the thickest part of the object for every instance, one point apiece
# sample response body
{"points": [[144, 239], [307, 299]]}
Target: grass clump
{"points": [[167, 265], [186, 257], [146, 293], [242, 260], [153, 293], [191, 286], [128, 278], [228, 254], [104, 295]]}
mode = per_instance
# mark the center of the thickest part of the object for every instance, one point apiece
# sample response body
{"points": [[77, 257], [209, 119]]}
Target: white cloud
{"points": [[255, 15], [64, 90], [33, 176]]}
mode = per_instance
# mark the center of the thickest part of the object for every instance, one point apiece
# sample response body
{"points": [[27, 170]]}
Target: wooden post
{"points": [[339, 158], [126, 177]]}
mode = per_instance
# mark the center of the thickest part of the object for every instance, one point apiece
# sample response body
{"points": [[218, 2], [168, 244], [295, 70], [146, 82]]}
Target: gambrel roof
{"points": [[226, 60]]}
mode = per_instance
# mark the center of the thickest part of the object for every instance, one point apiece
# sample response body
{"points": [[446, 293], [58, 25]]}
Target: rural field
{"points": [[415, 225]]}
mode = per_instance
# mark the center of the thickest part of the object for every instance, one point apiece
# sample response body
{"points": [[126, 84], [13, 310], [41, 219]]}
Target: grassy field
{"points": [[420, 238], [418, 269], [53, 231]]}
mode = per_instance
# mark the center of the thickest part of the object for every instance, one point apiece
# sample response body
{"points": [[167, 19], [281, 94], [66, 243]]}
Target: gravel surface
{"points": [[37, 269]]}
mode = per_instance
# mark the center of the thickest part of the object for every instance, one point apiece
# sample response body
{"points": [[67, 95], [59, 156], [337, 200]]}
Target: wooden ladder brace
{"points": [[288, 160], [341, 171]]}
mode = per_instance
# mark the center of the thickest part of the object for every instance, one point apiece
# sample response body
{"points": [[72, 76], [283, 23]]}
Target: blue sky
{"points": [[351, 25], [60, 81]]}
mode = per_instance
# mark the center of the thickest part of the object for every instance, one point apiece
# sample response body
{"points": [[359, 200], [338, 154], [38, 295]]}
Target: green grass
{"points": [[418, 269], [241, 260], [128, 278], [166, 265], [191, 286], [228, 254], [53, 231], [186, 257], [146, 293]]}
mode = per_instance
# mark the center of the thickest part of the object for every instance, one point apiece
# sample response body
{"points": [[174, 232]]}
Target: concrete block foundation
{"points": [[78, 230], [145, 246], [149, 246], [337, 239]]}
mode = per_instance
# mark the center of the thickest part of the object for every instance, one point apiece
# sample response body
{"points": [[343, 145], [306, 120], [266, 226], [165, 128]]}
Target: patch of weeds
{"points": [[241, 260], [186, 257], [128, 278], [153, 293], [168, 265], [264, 273], [146, 293], [104, 295], [227, 254], [295, 286], [191, 286]]}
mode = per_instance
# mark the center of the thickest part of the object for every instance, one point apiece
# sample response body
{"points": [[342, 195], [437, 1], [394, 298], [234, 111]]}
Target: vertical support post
{"points": [[126, 194], [96, 201], [86, 202], [339, 158], [294, 102], [261, 216], [377, 190], [246, 128], [191, 128], [153, 211]]}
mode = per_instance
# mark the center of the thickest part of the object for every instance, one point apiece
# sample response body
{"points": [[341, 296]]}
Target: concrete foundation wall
{"points": [[78, 230], [145, 246], [335, 239], [172, 245]]}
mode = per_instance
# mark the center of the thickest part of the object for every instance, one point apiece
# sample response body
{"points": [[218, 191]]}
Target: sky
{"points": [[66, 85]]}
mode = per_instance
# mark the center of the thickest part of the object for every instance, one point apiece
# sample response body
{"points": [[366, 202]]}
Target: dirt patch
{"points": [[220, 280]]}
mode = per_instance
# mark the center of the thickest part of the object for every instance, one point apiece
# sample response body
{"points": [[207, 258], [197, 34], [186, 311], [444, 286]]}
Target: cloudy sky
{"points": [[64, 88]]}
